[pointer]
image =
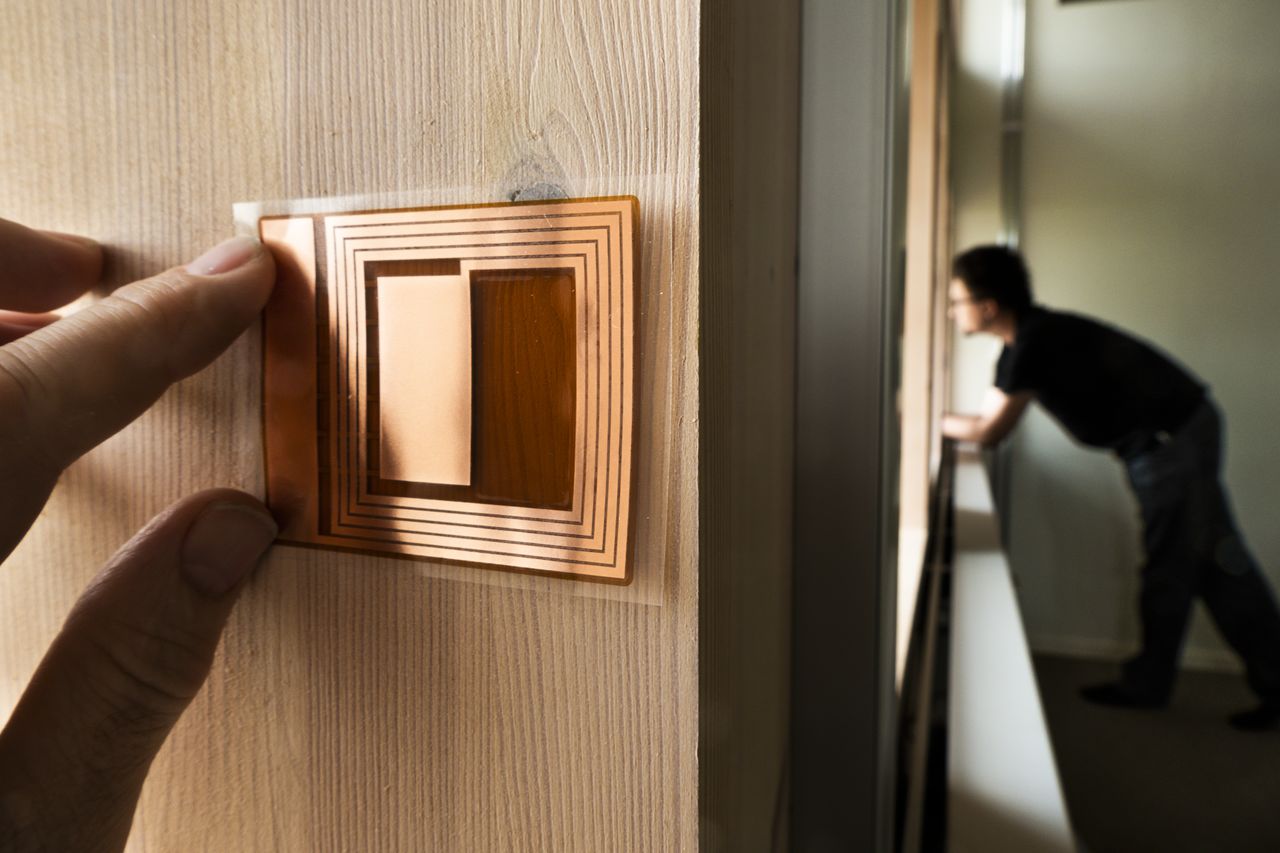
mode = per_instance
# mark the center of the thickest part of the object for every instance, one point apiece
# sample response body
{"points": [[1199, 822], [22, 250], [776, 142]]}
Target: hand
{"points": [[138, 645], [1000, 414], [957, 427]]}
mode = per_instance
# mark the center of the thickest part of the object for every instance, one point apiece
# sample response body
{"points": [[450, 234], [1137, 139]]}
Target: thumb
{"points": [[132, 655]]}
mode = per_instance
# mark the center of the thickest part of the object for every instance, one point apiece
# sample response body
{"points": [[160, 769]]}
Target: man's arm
{"points": [[1000, 414]]}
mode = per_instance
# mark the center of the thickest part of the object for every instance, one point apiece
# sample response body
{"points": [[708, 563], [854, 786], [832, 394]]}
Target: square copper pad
{"points": [[456, 383]]}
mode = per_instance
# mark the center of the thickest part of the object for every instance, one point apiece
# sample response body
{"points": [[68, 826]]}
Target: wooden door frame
{"points": [[843, 703]]}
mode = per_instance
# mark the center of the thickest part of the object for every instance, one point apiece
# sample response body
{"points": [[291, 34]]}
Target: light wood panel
{"points": [[361, 703], [944, 247], [919, 310]]}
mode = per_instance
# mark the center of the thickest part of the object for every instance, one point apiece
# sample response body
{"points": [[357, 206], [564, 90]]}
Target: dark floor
{"points": [[1166, 781]]}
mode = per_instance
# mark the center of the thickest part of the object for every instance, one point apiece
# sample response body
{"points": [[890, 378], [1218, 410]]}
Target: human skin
{"points": [[1000, 412], [138, 645]]}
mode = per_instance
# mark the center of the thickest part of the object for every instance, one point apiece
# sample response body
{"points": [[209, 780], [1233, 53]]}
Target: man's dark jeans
{"points": [[1194, 548]]}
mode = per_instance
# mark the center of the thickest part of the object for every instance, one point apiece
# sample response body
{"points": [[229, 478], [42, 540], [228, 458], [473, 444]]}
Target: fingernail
{"points": [[226, 256], [224, 544]]}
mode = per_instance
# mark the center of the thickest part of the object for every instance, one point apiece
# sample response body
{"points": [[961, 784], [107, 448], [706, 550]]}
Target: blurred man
{"points": [[1112, 391]]}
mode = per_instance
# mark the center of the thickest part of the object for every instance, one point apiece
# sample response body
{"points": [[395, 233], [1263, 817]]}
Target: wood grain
{"points": [[358, 703]]}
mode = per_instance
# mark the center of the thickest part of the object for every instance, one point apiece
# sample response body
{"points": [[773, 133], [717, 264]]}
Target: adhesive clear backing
{"points": [[462, 385]]}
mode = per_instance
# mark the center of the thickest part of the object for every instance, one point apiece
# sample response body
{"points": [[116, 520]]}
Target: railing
{"points": [[922, 724]]}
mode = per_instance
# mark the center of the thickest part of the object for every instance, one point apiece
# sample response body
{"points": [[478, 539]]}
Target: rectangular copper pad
{"points": [[523, 381], [424, 359]]}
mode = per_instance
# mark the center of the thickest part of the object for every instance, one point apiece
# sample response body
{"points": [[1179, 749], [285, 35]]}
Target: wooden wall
{"points": [[361, 703], [924, 288]]}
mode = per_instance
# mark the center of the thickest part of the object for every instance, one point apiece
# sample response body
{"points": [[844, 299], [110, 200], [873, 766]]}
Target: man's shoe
{"points": [[1117, 695], [1262, 718]]}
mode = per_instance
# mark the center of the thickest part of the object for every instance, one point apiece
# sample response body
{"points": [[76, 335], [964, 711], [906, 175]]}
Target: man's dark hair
{"points": [[995, 272]]}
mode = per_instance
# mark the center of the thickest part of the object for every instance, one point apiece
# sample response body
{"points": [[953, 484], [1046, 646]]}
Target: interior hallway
{"points": [[1177, 780]]}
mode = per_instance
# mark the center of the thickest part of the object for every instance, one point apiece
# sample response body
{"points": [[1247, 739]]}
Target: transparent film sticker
{"points": [[662, 479]]}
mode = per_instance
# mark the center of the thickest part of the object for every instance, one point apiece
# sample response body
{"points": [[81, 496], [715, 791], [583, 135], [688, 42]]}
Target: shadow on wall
{"points": [[1074, 543]]}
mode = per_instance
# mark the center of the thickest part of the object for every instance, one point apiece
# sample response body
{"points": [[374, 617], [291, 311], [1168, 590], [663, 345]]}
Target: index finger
{"points": [[67, 387], [43, 270]]}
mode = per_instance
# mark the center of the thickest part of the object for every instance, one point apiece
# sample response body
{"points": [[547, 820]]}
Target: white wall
{"points": [[1151, 199], [975, 171]]}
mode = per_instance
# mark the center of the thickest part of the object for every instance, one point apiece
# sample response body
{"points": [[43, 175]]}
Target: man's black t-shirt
{"points": [[1107, 388]]}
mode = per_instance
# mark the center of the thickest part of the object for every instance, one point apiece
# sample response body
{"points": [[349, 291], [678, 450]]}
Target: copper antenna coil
{"points": [[456, 383]]}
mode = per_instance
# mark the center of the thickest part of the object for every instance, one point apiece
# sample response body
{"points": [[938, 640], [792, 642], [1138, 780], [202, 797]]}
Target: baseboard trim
{"points": [[1093, 648]]}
